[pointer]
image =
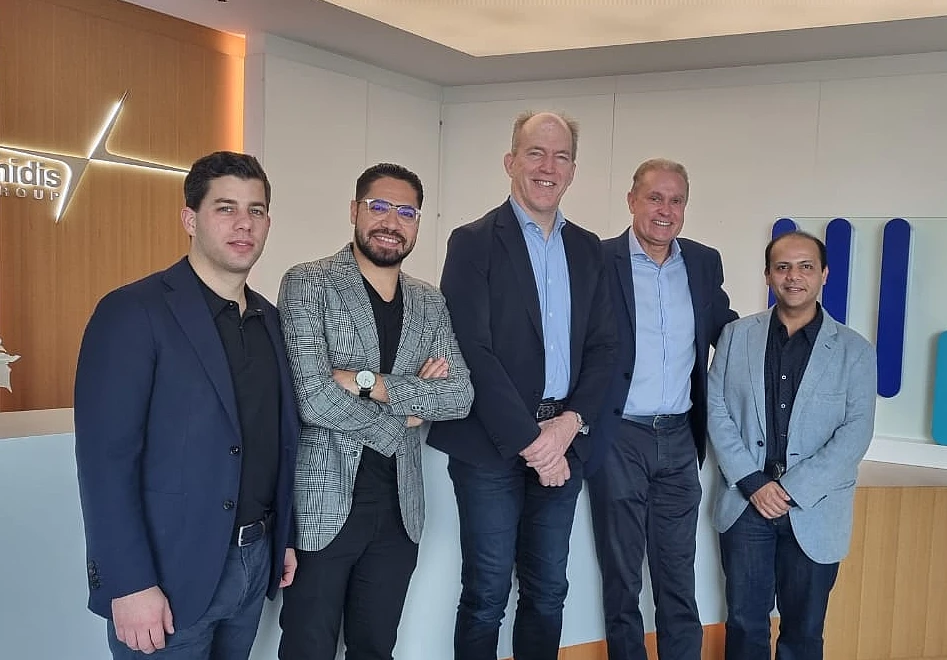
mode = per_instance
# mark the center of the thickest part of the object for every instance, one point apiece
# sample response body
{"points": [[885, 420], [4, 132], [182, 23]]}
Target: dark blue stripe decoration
{"points": [[780, 227], [892, 305], [939, 418], [838, 245]]}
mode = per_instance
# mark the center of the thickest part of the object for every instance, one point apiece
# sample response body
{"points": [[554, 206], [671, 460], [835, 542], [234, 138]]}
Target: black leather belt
{"points": [[774, 470], [252, 532], [659, 421], [549, 408]]}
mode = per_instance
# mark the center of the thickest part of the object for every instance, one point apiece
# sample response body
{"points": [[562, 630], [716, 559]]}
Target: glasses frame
{"points": [[392, 207]]}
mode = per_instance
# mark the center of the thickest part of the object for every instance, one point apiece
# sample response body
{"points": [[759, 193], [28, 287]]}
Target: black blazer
{"points": [[156, 420], [491, 294], [711, 312]]}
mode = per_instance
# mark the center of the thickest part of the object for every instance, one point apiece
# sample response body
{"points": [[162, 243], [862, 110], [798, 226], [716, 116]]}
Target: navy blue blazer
{"points": [[494, 304], [711, 312], [156, 421]]}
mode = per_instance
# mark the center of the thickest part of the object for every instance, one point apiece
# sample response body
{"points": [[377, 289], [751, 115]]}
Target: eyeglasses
{"points": [[382, 207]]}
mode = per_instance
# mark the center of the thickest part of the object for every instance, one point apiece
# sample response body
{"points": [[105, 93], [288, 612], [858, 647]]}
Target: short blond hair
{"points": [[660, 165]]}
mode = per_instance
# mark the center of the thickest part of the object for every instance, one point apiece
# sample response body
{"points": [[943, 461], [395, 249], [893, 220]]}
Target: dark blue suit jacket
{"points": [[493, 301], [711, 312], [156, 418]]}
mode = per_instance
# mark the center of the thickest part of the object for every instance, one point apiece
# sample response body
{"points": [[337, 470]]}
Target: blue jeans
{"points": [[508, 519], [227, 629], [762, 561]]}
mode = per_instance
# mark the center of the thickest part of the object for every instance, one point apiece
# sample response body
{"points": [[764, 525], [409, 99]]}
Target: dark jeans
{"points": [[508, 519], [227, 629], [362, 574], [646, 496], [763, 561]]}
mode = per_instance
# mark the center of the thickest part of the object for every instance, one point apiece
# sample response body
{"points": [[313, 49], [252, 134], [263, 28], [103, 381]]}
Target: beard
{"points": [[380, 256]]}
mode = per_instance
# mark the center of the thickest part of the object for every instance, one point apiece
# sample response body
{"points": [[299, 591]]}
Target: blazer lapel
{"points": [[351, 288], [822, 354], [412, 325], [623, 266], [510, 234], [189, 308], [756, 337], [694, 278]]}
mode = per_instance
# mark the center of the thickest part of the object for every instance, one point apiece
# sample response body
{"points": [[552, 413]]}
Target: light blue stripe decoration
{"points": [[780, 227], [892, 305], [939, 418], [838, 245]]}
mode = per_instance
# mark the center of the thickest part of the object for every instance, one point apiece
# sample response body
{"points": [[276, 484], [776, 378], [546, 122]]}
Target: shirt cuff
{"points": [[752, 483]]}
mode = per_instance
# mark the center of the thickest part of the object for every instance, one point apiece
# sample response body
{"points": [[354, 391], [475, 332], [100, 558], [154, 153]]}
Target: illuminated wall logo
{"points": [[28, 174]]}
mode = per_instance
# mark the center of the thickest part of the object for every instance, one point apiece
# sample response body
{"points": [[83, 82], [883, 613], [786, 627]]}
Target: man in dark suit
{"points": [[527, 293], [186, 431], [643, 485]]}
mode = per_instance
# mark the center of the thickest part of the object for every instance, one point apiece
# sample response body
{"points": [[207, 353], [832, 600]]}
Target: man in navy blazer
{"points": [[527, 294], [651, 438], [186, 431]]}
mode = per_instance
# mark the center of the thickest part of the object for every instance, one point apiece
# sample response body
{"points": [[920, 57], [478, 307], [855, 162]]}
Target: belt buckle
{"points": [[240, 542]]}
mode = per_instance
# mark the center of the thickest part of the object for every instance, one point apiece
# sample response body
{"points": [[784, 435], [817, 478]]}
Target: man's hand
{"points": [[433, 368], [555, 437], [771, 500], [411, 421], [557, 475], [289, 568], [141, 619]]}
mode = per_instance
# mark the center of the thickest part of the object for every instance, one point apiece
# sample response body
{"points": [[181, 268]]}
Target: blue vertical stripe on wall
{"points": [[780, 227], [892, 305], [939, 418], [838, 245]]}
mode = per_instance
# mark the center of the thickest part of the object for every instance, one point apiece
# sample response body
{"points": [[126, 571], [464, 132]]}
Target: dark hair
{"points": [[801, 234], [217, 165], [391, 171]]}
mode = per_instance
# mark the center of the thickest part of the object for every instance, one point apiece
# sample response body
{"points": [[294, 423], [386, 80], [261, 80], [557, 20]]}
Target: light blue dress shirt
{"points": [[665, 349], [551, 272]]}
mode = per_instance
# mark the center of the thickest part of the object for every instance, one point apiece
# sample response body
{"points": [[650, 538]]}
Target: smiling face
{"points": [[541, 166], [657, 205], [387, 239], [228, 229], [796, 274]]}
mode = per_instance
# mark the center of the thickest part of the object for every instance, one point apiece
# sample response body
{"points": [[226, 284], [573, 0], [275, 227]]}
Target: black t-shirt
{"points": [[377, 477]]}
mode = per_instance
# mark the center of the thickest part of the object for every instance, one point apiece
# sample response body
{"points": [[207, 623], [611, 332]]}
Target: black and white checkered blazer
{"points": [[328, 324]]}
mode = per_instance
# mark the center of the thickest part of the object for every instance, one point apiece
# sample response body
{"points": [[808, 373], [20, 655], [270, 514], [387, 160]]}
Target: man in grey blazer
{"points": [[791, 414], [372, 354]]}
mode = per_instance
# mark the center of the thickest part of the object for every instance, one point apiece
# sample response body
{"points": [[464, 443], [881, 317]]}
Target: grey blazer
{"points": [[829, 431], [328, 324]]}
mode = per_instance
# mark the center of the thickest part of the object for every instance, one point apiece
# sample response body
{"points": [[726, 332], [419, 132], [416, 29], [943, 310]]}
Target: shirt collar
{"points": [[522, 217], [810, 330], [218, 304], [635, 246]]}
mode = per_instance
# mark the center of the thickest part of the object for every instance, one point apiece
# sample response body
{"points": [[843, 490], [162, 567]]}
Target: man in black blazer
{"points": [[651, 438], [527, 293], [186, 431]]}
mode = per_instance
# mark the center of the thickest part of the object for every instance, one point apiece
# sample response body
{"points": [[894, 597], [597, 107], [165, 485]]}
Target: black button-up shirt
{"points": [[255, 374], [784, 364], [377, 476]]}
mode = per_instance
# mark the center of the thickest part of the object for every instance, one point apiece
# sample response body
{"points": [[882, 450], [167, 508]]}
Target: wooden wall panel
{"points": [[65, 64]]}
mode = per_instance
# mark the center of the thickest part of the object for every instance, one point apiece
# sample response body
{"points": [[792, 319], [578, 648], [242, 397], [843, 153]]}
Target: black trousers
{"points": [[646, 496], [361, 576]]}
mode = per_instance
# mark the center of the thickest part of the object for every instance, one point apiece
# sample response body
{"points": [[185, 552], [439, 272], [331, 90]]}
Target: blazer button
{"points": [[759, 443], [228, 505], [617, 412], [235, 450], [627, 375]]}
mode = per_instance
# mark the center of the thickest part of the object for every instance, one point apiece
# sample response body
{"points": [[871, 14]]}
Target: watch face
{"points": [[365, 379]]}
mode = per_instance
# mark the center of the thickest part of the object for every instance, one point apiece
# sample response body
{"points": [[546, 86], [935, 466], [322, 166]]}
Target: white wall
{"points": [[856, 138]]}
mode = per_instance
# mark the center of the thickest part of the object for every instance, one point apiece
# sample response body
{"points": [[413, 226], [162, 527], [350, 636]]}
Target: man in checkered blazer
{"points": [[373, 355]]}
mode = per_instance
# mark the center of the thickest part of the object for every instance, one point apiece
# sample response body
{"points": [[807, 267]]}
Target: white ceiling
{"points": [[445, 41]]}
